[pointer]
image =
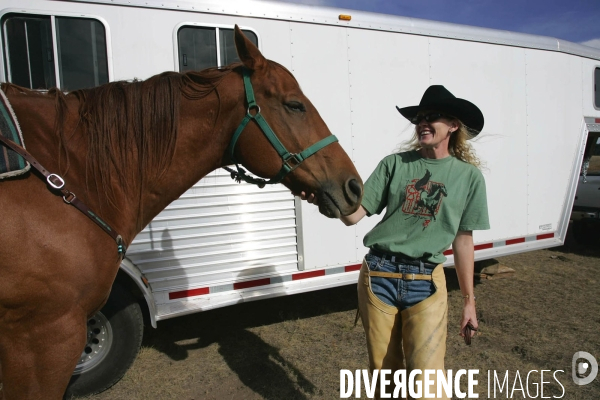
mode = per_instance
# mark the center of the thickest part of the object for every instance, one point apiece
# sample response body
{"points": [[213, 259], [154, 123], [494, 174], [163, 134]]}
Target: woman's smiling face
{"points": [[434, 128]]}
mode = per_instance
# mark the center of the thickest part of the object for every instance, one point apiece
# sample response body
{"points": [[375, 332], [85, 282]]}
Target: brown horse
{"points": [[128, 149]]}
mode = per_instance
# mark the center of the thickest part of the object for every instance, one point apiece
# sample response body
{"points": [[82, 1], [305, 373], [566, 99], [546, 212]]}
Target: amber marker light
{"points": [[344, 17]]}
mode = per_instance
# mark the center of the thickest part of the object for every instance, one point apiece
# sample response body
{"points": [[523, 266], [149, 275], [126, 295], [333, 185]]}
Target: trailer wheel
{"points": [[114, 338], [585, 232]]}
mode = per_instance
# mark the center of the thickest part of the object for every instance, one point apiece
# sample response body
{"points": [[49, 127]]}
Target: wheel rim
{"points": [[99, 341]]}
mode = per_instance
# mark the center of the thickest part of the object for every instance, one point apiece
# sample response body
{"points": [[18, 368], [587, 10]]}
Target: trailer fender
{"points": [[142, 283]]}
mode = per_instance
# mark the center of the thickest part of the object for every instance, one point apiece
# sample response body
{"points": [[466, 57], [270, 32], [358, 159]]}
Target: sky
{"points": [[577, 21]]}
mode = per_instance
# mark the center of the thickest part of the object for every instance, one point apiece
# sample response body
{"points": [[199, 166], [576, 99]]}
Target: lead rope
{"points": [[241, 175]]}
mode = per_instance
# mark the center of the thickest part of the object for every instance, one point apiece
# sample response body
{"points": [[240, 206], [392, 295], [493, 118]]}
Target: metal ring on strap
{"points": [[251, 107]]}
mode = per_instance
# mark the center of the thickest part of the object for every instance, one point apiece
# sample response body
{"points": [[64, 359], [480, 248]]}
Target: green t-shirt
{"points": [[427, 202]]}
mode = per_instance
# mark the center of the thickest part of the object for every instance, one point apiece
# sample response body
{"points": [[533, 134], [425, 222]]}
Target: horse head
{"points": [[327, 171]]}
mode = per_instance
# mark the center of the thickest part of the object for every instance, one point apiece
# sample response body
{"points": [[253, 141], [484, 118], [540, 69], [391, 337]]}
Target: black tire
{"points": [[586, 232], [114, 340]]}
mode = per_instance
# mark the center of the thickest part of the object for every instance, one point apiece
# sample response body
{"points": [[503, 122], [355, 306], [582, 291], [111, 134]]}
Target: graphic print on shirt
{"points": [[424, 199]]}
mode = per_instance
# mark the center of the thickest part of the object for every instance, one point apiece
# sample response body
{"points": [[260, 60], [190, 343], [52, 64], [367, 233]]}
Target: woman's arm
{"points": [[355, 217], [464, 256], [348, 219]]}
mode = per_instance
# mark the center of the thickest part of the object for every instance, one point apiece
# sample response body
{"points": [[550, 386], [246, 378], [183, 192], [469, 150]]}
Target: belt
{"points": [[406, 277], [402, 259]]}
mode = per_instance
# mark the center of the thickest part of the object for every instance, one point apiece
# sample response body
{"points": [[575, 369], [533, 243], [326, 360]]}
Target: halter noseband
{"points": [[291, 161]]}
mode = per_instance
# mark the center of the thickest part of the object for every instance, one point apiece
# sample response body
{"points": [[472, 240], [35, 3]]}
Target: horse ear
{"points": [[249, 54]]}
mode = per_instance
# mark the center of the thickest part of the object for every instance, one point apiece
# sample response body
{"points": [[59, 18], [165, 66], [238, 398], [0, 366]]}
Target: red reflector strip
{"points": [[249, 284], [311, 274], [484, 246], [188, 293], [545, 236], [351, 268], [348, 268], [598, 120]]}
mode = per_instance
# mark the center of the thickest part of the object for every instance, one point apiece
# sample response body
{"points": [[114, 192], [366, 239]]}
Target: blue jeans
{"points": [[399, 293]]}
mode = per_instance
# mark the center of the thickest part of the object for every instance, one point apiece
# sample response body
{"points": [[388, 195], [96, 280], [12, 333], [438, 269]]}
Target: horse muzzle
{"points": [[335, 201]]}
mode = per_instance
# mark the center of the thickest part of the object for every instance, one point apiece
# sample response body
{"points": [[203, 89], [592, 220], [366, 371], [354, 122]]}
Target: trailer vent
{"points": [[219, 232]]}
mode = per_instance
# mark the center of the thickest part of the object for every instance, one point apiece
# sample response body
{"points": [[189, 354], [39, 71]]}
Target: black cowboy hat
{"points": [[438, 98]]}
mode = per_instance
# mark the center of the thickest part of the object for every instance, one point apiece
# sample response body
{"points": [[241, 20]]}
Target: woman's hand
{"points": [[464, 255], [311, 198], [347, 220], [468, 322]]}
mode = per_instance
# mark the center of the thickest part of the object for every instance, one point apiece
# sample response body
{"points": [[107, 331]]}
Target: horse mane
{"points": [[131, 127], [140, 115]]}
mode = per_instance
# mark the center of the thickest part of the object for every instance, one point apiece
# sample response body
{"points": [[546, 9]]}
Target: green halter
{"points": [[290, 160]]}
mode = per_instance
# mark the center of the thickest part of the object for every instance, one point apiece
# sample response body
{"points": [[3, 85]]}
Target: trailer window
{"points": [[30, 58], [597, 87], [81, 54], [82, 61], [227, 45], [206, 47], [197, 48]]}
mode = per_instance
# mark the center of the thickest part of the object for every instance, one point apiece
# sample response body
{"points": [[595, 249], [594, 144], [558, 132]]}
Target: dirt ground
{"points": [[294, 347]]}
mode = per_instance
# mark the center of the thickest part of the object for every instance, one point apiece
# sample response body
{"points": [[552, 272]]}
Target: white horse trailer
{"points": [[224, 243]]}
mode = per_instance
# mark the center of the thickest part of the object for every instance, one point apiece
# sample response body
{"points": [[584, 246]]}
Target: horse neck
{"points": [[205, 129]]}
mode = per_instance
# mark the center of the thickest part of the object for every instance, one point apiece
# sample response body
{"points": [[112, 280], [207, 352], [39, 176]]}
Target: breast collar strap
{"points": [[57, 183]]}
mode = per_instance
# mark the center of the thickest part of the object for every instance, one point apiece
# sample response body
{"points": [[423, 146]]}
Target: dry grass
{"points": [[294, 347]]}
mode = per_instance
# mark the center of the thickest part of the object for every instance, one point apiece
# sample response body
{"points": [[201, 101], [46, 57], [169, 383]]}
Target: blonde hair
{"points": [[458, 146]]}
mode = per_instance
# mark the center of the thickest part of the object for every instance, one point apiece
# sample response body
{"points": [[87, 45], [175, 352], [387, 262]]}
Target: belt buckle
{"points": [[412, 277]]}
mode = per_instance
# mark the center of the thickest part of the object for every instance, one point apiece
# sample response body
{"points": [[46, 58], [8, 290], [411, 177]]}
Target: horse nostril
{"points": [[355, 188]]}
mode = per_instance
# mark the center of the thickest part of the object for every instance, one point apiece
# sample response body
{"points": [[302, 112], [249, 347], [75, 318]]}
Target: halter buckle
{"points": [[57, 186], [293, 161]]}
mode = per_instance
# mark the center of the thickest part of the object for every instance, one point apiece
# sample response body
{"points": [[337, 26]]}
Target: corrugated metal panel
{"points": [[218, 231]]}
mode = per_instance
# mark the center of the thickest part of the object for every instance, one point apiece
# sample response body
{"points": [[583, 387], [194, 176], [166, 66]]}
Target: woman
{"points": [[434, 196]]}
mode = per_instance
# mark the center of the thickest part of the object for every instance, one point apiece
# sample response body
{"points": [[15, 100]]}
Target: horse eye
{"points": [[295, 106]]}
